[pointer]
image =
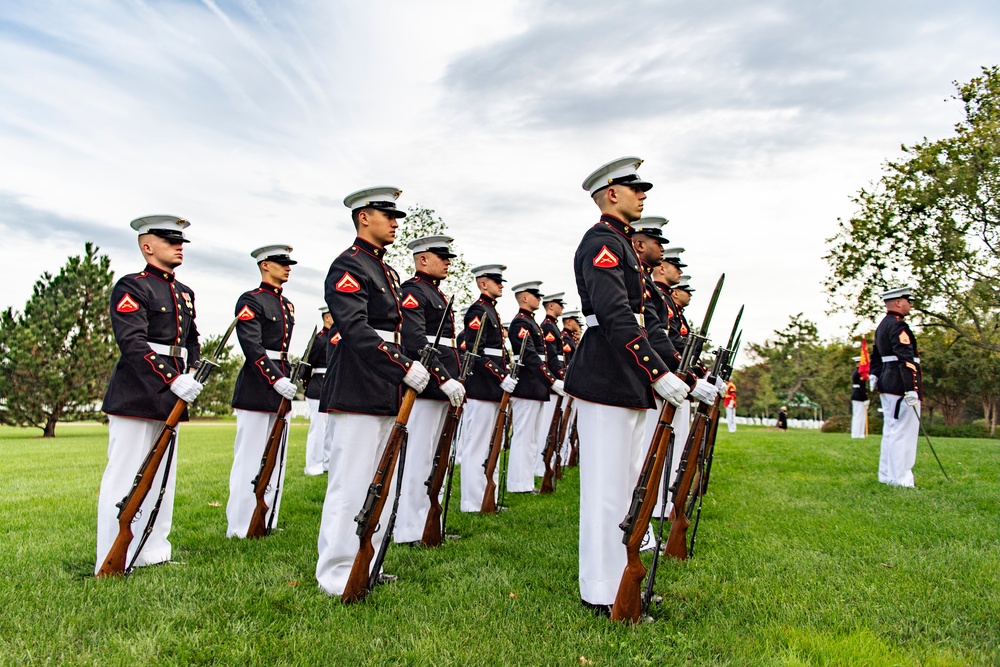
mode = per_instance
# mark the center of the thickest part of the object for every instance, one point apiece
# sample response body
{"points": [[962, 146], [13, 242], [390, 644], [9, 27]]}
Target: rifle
{"points": [[363, 576], [551, 446], [629, 603], [574, 446], [561, 435], [727, 373], [128, 507], [274, 454], [434, 525], [489, 504]]}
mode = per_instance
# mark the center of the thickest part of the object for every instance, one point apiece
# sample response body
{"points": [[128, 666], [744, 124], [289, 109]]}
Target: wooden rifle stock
{"points": [[628, 601], [258, 525], [114, 562], [561, 436], [489, 504], [432, 526], [677, 540], [551, 445], [574, 446], [378, 492]]}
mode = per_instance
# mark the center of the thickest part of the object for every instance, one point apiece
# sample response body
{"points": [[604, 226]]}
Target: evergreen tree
{"points": [[216, 398], [56, 356]]}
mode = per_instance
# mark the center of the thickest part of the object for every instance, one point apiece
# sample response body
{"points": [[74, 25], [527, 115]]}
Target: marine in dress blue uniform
{"points": [[895, 370], [484, 386], [572, 330], [533, 385], [613, 375], [365, 377], [153, 318], [424, 307], [317, 455], [265, 318], [859, 403], [555, 360]]}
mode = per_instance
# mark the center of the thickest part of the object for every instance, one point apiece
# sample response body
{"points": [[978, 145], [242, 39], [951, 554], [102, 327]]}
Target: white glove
{"points": [[671, 388], [872, 382], [186, 387], [417, 377], [508, 384], [557, 387], [911, 398], [720, 385], [455, 392], [286, 388], [704, 392]]}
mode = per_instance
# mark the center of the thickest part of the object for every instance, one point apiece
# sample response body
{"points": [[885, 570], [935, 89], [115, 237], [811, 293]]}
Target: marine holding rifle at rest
{"points": [[365, 379], [423, 307], [614, 373], [265, 319], [317, 454], [485, 385], [152, 315], [895, 371], [555, 360]]}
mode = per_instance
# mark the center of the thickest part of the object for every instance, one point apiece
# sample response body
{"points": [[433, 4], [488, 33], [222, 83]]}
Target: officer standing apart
{"points": [[317, 456], [730, 404], [424, 307], [614, 373], [859, 403], [532, 391], [896, 372], [365, 379], [152, 315], [264, 327], [556, 362], [485, 385]]}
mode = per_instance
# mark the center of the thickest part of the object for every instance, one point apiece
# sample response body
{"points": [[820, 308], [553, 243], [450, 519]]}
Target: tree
{"points": [[793, 356], [56, 357], [216, 397], [932, 220], [421, 222]]}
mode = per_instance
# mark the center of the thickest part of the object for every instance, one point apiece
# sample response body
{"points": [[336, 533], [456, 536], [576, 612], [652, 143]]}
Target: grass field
{"points": [[802, 559]]}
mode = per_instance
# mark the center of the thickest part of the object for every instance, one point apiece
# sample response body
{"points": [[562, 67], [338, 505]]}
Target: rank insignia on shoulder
{"points": [[335, 339], [903, 337], [522, 333], [347, 283], [245, 314], [605, 259], [567, 348], [410, 302], [684, 330], [127, 304], [549, 338], [475, 323]]}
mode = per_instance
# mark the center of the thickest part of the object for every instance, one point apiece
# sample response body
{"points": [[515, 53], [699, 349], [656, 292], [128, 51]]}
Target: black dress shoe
{"points": [[599, 609], [385, 578]]}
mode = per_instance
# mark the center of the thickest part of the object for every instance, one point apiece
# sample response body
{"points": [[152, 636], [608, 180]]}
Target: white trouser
{"points": [[317, 455], [358, 443], [129, 441], [610, 442], [568, 436], [544, 422], [731, 419], [424, 429], [859, 419], [527, 414], [478, 419], [252, 431], [899, 442]]}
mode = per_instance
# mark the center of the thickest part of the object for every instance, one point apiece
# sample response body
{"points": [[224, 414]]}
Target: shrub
{"points": [[842, 424]]}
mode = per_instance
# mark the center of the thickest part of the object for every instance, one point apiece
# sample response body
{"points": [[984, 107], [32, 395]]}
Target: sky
{"points": [[757, 122]]}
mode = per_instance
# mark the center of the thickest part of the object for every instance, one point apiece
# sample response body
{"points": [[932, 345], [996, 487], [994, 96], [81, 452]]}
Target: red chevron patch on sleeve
{"points": [[523, 332], [336, 338], [567, 348], [410, 302], [475, 323], [127, 304], [347, 283], [605, 259], [549, 338], [245, 314]]}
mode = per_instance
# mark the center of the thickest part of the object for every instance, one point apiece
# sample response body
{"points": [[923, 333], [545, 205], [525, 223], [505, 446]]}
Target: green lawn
{"points": [[802, 559]]}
